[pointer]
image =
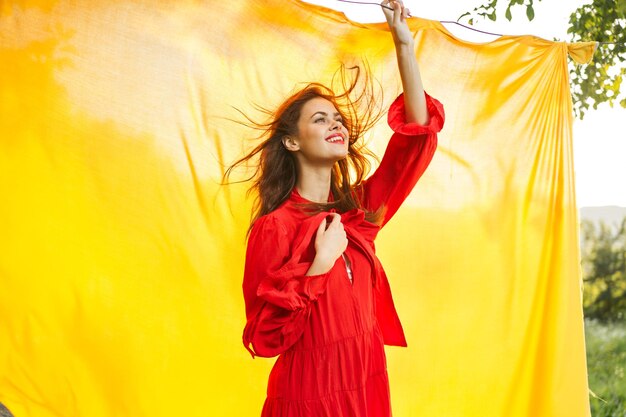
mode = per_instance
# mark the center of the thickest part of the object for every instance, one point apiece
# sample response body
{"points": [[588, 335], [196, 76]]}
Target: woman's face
{"points": [[322, 137]]}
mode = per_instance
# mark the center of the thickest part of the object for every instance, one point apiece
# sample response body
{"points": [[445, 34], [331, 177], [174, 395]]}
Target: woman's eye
{"points": [[321, 119]]}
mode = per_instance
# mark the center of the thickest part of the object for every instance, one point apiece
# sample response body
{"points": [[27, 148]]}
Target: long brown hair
{"points": [[275, 171]]}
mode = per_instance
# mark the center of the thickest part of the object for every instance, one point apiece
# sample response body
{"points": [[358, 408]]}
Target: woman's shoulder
{"points": [[287, 219], [276, 221]]}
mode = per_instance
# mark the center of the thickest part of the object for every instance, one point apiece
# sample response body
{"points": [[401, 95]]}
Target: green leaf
{"points": [[507, 14], [621, 8], [530, 12]]}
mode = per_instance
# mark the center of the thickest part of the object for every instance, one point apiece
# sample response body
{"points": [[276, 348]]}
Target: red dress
{"points": [[328, 332]]}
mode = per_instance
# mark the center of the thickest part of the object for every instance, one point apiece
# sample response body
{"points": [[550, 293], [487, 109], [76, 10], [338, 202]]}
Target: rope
{"points": [[456, 23]]}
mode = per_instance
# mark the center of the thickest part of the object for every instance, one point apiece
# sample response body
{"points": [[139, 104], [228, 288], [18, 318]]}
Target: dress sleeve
{"points": [[277, 293], [408, 153]]}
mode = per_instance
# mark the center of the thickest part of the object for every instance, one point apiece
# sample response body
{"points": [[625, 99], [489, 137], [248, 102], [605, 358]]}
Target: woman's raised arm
{"points": [[414, 99], [415, 119]]}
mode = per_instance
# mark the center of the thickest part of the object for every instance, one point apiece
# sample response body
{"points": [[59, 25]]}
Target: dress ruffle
{"points": [[351, 380]]}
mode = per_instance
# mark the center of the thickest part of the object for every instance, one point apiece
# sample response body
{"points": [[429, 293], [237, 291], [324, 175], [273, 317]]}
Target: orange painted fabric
{"points": [[330, 332], [121, 256]]}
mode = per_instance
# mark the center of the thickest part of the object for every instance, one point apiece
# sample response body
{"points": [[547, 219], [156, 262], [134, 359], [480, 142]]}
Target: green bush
{"points": [[603, 251]]}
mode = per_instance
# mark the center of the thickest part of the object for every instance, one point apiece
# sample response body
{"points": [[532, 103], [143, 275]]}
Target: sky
{"points": [[599, 139]]}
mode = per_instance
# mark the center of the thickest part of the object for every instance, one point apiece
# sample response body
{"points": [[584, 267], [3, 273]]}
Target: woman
{"points": [[316, 295]]}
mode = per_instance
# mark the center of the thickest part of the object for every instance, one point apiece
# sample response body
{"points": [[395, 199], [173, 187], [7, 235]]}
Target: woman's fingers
{"points": [[336, 222], [321, 228], [388, 13], [331, 241], [397, 12], [338, 234]]}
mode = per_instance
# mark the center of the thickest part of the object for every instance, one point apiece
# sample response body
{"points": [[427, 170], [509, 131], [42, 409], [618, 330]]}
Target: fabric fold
{"points": [[582, 52]]}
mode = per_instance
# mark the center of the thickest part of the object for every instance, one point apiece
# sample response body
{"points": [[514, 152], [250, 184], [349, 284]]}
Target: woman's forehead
{"points": [[319, 104]]}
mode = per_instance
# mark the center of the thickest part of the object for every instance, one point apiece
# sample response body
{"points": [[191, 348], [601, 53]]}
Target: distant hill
{"points": [[611, 215]]}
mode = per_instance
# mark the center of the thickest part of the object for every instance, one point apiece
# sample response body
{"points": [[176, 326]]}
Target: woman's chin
{"points": [[342, 154], [341, 157]]}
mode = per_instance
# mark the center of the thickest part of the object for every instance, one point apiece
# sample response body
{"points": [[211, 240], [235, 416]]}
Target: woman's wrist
{"points": [[406, 47], [320, 265]]}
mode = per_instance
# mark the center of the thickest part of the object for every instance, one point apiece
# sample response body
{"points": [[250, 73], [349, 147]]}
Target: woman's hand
{"points": [[330, 243], [396, 20], [414, 97]]}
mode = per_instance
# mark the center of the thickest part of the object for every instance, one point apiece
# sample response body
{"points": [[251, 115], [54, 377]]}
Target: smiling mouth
{"points": [[335, 139]]}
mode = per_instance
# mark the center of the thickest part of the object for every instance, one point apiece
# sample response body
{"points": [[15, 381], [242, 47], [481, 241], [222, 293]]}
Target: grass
{"points": [[606, 364]]}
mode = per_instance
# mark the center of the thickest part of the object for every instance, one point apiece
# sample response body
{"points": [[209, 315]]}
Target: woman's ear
{"points": [[290, 143]]}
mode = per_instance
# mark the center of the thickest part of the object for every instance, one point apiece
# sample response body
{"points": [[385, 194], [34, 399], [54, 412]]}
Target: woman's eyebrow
{"points": [[324, 114]]}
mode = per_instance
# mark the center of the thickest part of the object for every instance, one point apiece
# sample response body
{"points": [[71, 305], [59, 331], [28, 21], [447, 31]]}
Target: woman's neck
{"points": [[314, 184]]}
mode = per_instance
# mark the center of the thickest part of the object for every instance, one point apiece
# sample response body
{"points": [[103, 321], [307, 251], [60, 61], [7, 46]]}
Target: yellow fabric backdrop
{"points": [[121, 258]]}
